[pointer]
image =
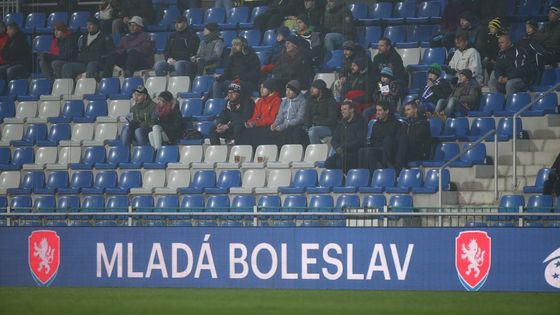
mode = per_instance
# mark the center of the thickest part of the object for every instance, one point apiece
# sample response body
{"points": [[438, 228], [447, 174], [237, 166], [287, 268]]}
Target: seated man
{"points": [[141, 118], [466, 57], [512, 72], [320, 112], [465, 97], [210, 50], [416, 140], [348, 138], [16, 55], [436, 88], [380, 151], [180, 47], [288, 125], [231, 122], [547, 39], [135, 52], [357, 86]]}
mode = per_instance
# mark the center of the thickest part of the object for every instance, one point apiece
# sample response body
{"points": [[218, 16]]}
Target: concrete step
{"points": [[539, 145], [504, 183], [542, 127], [485, 198], [529, 158], [487, 171]]}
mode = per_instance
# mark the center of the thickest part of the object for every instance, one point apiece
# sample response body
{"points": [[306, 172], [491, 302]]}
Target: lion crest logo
{"points": [[44, 256], [473, 258]]}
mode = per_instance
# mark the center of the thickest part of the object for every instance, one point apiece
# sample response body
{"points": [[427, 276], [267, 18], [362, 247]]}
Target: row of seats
{"points": [[457, 129]]}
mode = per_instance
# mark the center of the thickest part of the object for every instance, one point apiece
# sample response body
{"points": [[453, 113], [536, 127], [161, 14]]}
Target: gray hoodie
{"points": [[291, 112]]}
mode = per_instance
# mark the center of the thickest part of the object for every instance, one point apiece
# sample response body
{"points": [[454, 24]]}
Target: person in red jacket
{"points": [[257, 128], [3, 40]]}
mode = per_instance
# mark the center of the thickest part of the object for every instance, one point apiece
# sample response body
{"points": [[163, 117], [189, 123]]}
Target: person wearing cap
{"points": [[127, 9], [275, 14], [16, 54], [243, 65], [357, 87], [491, 49], [466, 57], [387, 56], [320, 112], [179, 48], [293, 64], [388, 90], [289, 119], [231, 121], [338, 25], [282, 33], [168, 122], [437, 88], [475, 33], [63, 49], [93, 48], [548, 38], [465, 97], [347, 140], [141, 118], [135, 52], [512, 72], [257, 127], [210, 50]]}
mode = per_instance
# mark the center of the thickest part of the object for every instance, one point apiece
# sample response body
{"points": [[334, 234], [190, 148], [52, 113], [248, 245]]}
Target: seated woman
{"points": [[168, 122], [288, 124]]}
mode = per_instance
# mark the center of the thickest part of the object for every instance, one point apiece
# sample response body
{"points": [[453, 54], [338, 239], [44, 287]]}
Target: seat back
{"points": [[385, 177], [278, 178], [253, 178], [291, 153], [153, 179], [177, 178], [81, 179], [331, 178], [357, 177], [215, 153], [204, 179]]}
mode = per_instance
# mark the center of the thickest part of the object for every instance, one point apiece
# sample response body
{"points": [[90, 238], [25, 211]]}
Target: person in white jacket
{"points": [[466, 57], [289, 120]]}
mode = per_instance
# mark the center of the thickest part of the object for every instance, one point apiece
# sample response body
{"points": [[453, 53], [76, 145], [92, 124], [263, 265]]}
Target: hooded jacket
{"points": [[181, 45], [96, 50], [392, 60], [467, 59], [141, 42], [291, 112], [339, 19], [549, 36], [321, 111], [468, 93], [210, 49], [383, 129], [266, 109], [244, 65], [143, 113], [237, 114], [171, 122]]}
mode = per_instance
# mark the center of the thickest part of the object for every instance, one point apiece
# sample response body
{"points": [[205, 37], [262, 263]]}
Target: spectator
{"points": [[129, 9], [257, 128], [451, 15], [416, 141], [282, 33], [468, 25], [357, 87], [338, 25], [512, 72], [231, 121], [210, 50], [140, 119], [437, 88], [547, 38], [320, 112], [288, 125], [242, 64], [293, 64], [180, 47], [311, 39], [387, 56], [350, 51], [380, 151], [348, 138], [387, 91], [466, 57], [16, 55], [495, 30], [531, 28], [275, 14], [93, 48], [63, 49], [3, 40], [168, 122], [465, 97], [108, 11], [313, 13], [135, 52]]}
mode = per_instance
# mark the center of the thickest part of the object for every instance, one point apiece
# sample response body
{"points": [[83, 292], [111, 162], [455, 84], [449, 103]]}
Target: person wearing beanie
{"points": [[310, 39], [135, 51], [257, 127], [179, 48], [338, 25], [387, 91], [16, 54], [387, 56], [127, 10], [294, 63], [495, 30], [63, 49], [512, 72], [464, 98], [277, 11], [140, 119], [289, 120], [350, 51], [547, 38], [168, 122], [282, 33], [320, 112], [93, 47], [357, 87], [436, 88], [476, 34], [231, 121], [210, 50], [466, 57]]}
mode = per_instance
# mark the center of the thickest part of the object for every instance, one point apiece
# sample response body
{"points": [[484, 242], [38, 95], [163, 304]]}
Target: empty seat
{"points": [[66, 155], [174, 179], [319, 203], [15, 88], [408, 179], [255, 12], [212, 108], [37, 88], [315, 155], [115, 156], [52, 20], [263, 154], [275, 178], [104, 132], [546, 105], [45, 110], [60, 88], [70, 110], [489, 104], [164, 155], [29, 182], [43, 156], [454, 128], [268, 203], [55, 181], [201, 84], [292, 203], [94, 109], [57, 133], [107, 86], [509, 204], [539, 204], [33, 133], [237, 155], [443, 153], [127, 180], [188, 155], [476, 155], [328, 179], [103, 181], [288, 154], [215, 203], [542, 176], [380, 181], [302, 179], [252, 179], [151, 179], [178, 84], [78, 21], [505, 128], [20, 156], [479, 127], [212, 155], [431, 182], [201, 180], [139, 156], [514, 103], [156, 85], [8, 180], [355, 178], [374, 203], [11, 132], [128, 87], [400, 204], [226, 180], [90, 156]]}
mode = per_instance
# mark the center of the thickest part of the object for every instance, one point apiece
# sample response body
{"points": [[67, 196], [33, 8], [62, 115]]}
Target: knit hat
{"points": [[467, 73], [166, 96], [212, 27], [294, 86], [294, 39], [387, 72], [468, 16], [136, 20], [533, 23], [269, 84], [555, 9], [235, 86], [141, 89], [496, 22], [60, 26], [284, 31], [319, 84], [93, 21], [435, 69], [349, 45], [181, 19]]}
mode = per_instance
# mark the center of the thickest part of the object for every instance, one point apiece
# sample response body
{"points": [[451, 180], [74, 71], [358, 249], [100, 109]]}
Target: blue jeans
{"points": [[71, 69], [333, 41], [452, 106], [511, 86], [181, 68], [140, 136], [316, 133]]}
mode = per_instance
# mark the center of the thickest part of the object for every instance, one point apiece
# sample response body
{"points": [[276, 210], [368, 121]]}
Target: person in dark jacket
{"points": [[338, 25], [436, 88], [93, 48], [293, 64], [231, 122], [210, 50], [465, 96], [135, 52], [387, 56], [348, 138], [63, 49], [141, 118], [242, 64], [180, 47], [490, 55], [276, 12], [320, 112], [16, 55], [511, 72], [357, 87], [129, 9], [416, 141], [548, 38], [168, 122], [388, 91], [468, 25], [382, 147]]}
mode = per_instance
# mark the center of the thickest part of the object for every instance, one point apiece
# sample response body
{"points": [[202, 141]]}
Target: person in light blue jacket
{"points": [[289, 120]]}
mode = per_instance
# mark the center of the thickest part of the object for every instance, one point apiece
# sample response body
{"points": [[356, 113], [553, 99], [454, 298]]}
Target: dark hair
{"points": [[411, 103], [386, 40], [384, 105], [462, 36], [13, 25], [348, 102]]}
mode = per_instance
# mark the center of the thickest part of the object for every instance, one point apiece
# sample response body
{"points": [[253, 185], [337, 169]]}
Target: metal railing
{"points": [[514, 136], [10, 6]]}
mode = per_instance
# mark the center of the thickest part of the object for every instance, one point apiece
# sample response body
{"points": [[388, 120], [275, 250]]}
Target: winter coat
{"points": [[359, 52], [181, 45], [237, 114], [512, 63], [97, 49], [469, 94], [143, 114], [141, 42], [549, 36], [392, 60], [419, 138], [246, 67], [291, 112], [392, 97], [477, 36], [3, 41], [339, 19], [266, 109], [321, 111], [467, 59], [141, 8], [383, 129], [440, 88], [297, 67], [350, 136], [64, 48], [171, 122], [17, 51], [211, 49]]}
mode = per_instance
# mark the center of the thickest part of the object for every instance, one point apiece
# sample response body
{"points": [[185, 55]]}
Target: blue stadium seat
{"points": [[204, 127], [542, 176], [20, 156], [235, 18], [328, 179], [195, 18], [212, 108], [226, 180], [355, 178], [52, 20], [79, 180], [45, 204], [32, 134], [107, 86], [128, 179], [142, 203], [242, 204], [3, 209], [192, 203], [454, 128], [376, 202], [33, 21], [28, 183], [115, 204], [5, 155], [544, 106], [431, 182], [319, 203], [164, 155], [359, 11], [167, 22], [164, 203], [303, 178], [90, 204], [115, 156], [70, 110], [14, 17], [256, 11], [269, 38], [372, 35], [269, 203], [514, 102], [103, 180], [343, 202], [78, 21], [55, 180], [377, 13], [443, 153], [23, 204], [57, 132], [191, 107], [200, 86], [333, 61], [436, 126], [417, 81], [65, 204], [526, 9], [215, 203], [548, 78], [253, 37], [202, 180], [428, 12], [90, 156], [508, 204], [489, 104], [7, 109], [421, 34], [94, 109], [505, 128], [15, 88], [38, 87], [215, 15], [400, 204], [128, 87], [539, 204], [401, 11], [396, 33], [292, 203], [264, 57], [479, 127], [380, 181], [408, 179], [477, 155], [159, 39], [371, 122], [139, 156], [228, 36]]}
